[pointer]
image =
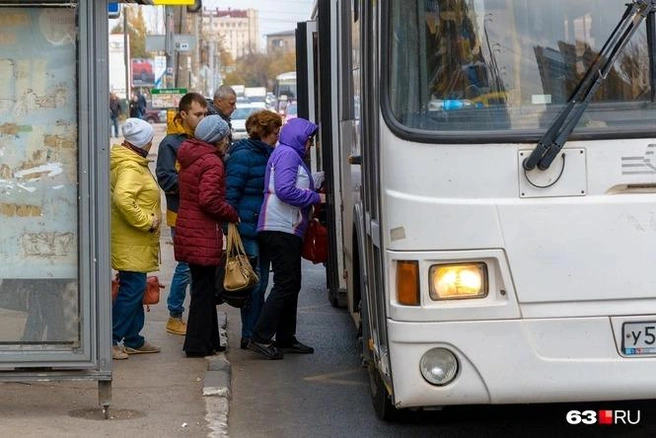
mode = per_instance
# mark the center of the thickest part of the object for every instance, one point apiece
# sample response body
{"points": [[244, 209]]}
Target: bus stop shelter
{"points": [[55, 303]]}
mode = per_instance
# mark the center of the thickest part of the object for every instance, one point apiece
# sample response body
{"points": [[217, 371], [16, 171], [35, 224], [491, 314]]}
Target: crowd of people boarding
{"points": [[260, 183]]}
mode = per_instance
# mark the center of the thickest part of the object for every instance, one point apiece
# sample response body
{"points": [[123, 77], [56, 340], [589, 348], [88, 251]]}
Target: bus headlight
{"points": [[458, 281], [439, 366]]}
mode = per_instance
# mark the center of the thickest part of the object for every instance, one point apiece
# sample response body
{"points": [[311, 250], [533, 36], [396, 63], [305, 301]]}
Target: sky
{"points": [[274, 15]]}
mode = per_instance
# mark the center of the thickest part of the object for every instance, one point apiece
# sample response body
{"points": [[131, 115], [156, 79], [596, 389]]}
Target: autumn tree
{"points": [[260, 70], [136, 29]]}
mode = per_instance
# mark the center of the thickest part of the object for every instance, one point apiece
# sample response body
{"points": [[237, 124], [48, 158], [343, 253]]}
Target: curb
{"points": [[217, 386]]}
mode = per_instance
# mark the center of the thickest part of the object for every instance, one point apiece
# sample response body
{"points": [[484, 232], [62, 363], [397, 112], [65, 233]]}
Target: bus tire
{"points": [[381, 400]]}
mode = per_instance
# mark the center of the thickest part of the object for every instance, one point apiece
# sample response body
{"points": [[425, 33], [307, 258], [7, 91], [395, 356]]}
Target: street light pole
{"points": [[168, 46], [126, 55]]}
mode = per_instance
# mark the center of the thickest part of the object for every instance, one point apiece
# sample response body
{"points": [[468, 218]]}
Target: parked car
{"points": [[155, 115], [239, 116]]}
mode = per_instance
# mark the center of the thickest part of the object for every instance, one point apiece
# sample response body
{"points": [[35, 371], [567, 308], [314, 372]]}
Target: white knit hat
{"points": [[137, 132]]}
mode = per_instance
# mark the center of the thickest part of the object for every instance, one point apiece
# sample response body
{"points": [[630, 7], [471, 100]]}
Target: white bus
{"points": [[284, 90], [492, 209]]}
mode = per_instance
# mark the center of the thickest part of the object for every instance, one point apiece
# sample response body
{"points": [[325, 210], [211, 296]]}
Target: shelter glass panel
{"points": [[39, 293]]}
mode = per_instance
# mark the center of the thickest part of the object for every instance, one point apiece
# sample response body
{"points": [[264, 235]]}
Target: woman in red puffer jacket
{"points": [[198, 234]]}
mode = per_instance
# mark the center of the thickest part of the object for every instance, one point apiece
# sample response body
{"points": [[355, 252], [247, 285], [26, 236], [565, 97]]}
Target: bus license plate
{"points": [[639, 338]]}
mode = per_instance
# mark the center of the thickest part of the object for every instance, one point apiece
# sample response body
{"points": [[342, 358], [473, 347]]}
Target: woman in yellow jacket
{"points": [[135, 216]]}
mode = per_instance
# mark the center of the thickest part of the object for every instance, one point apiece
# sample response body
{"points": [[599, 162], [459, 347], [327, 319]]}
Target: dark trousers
{"points": [[202, 323], [278, 315]]}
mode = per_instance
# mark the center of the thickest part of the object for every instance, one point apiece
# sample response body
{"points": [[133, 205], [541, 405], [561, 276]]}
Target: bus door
{"points": [[374, 293], [319, 74]]}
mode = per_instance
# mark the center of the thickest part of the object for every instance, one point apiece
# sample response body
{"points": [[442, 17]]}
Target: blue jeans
{"points": [[178, 290], [251, 313], [114, 126], [127, 311]]}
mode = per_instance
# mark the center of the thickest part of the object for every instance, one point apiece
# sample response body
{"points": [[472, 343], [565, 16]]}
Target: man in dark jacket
{"points": [[191, 110], [115, 111], [223, 104]]}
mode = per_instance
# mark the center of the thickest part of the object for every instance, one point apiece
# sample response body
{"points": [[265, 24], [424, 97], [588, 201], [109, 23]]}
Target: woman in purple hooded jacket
{"points": [[289, 195]]}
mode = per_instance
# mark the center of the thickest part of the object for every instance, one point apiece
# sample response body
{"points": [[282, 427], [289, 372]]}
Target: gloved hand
{"points": [[318, 178]]}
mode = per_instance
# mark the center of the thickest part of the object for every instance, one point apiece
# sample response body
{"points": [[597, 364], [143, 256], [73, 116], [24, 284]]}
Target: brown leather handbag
{"points": [[151, 294], [239, 274]]}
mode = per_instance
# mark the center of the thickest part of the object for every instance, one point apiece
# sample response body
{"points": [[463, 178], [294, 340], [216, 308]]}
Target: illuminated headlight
{"points": [[439, 366], [458, 281]]}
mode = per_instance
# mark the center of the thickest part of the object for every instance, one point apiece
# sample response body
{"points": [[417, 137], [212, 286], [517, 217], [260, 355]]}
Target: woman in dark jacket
{"points": [[245, 169], [198, 235]]}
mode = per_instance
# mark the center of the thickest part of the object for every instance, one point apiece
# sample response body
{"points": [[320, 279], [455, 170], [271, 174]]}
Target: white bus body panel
{"points": [[601, 246], [519, 361], [565, 272]]}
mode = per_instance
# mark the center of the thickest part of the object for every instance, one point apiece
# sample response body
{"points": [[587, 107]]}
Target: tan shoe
{"points": [[118, 353], [146, 348], [176, 326]]}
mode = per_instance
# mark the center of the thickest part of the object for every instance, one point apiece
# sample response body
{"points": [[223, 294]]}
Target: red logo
{"points": [[605, 417]]}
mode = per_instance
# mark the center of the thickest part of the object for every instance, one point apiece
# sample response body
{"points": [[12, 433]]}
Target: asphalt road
{"points": [[327, 394]]}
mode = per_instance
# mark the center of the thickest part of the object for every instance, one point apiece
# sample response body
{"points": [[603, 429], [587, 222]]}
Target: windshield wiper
{"points": [[553, 140]]}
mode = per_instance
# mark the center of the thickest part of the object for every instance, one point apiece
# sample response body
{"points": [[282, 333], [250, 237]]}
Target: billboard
{"points": [[117, 65], [142, 72]]}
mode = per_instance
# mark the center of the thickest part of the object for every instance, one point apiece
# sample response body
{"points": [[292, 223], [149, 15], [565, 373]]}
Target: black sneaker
{"points": [[267, 350], [243, 344], [295, 347]]}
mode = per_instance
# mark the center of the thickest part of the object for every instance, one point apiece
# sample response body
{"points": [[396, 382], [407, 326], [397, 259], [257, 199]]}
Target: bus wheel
{"points": [[379, 396]]}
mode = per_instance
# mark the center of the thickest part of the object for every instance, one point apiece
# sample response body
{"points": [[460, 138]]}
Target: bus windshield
{"points": [[460, 66]]}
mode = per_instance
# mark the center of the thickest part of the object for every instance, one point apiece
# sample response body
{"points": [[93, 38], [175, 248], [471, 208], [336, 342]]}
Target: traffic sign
{"points": [[113, 10], [168, 91], [182, 46], [173, 2]]}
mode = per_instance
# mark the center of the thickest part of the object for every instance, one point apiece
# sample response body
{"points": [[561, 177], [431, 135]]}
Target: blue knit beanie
{"points": [[212, 129]]}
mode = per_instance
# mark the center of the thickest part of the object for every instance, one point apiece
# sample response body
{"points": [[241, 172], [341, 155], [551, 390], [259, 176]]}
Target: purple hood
{"points": [[295, 134]]}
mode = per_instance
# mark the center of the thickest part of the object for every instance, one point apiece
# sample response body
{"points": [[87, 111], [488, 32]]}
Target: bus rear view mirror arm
{"points": [[555, 137], [355, 160]]}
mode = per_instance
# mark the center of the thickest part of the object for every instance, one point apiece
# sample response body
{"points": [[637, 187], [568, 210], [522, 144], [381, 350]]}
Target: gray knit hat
{"points": [[212, 129]]}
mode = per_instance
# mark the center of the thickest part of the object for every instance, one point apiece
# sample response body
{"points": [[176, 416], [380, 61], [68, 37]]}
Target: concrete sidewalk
{"points": [[153, 395]]}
